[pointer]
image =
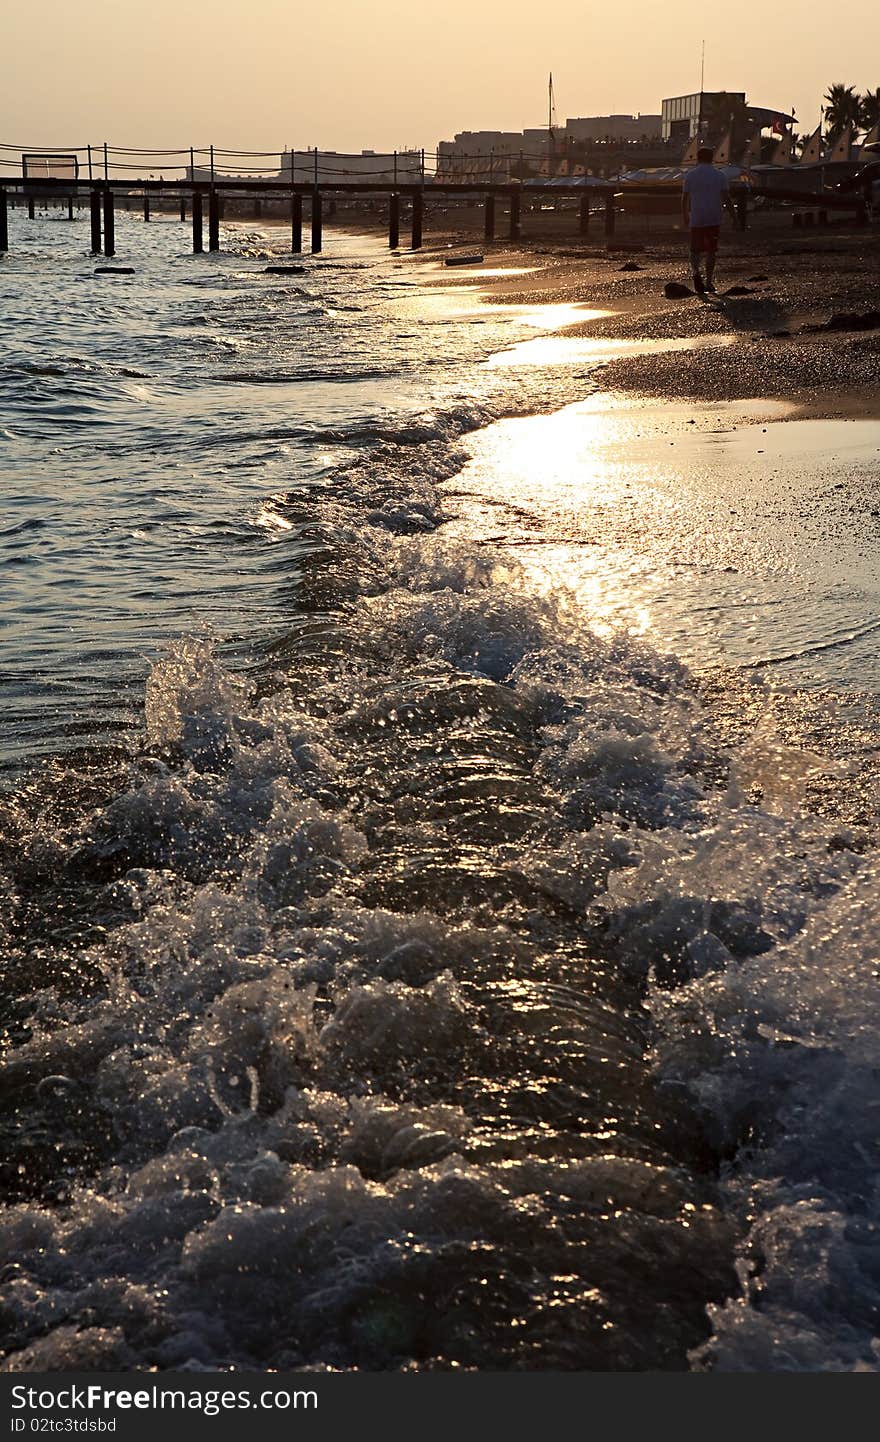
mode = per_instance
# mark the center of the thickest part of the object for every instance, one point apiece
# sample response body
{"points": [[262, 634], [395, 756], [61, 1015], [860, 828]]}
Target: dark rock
{"points": [[631, 265], [114, 270], [463, 260], [285, 270], [674, 290], [759, 277], [849, 320], [738, 290]]}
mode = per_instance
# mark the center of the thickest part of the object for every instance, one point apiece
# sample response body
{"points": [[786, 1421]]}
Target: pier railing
{"points": [[103, 161]]}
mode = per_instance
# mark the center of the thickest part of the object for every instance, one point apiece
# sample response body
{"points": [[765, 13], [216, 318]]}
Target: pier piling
{"points": [[317, 222], [198, 245], [109, 223], [489, 221], [4, 221], [609, 213], [251, 193], [213, 220], [95, 214]]}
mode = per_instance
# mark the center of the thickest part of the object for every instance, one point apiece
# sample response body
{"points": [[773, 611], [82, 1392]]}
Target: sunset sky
{"points": [[390, 73]]}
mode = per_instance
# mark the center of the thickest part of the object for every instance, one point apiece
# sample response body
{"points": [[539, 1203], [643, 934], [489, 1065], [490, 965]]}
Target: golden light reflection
{"points": [[551, 485], [557, 350], [271, 520], [597, 587], [570, 458], [621, 507], [485, 272], [553, 317]]}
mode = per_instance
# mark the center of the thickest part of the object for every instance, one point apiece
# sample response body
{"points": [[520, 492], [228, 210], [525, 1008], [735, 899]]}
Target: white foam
{"points": [[275, 1051]]}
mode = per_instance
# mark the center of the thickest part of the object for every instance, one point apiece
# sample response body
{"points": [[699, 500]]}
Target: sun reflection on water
{"points": [[706, 527], [570, 350]]}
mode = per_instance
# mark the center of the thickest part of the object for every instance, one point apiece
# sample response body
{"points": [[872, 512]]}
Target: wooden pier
{"points": [[104, 196]]}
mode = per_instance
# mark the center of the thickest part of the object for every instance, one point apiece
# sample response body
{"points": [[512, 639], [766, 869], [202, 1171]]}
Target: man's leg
{"points": [[695, 262], [711, 257]]}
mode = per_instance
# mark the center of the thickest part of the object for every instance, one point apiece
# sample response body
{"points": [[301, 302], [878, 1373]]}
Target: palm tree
{"points": [[842, 109], [869, 109]]}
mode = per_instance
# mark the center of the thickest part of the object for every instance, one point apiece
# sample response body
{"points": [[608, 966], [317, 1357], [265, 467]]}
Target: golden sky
{"points": [[349, 74]]}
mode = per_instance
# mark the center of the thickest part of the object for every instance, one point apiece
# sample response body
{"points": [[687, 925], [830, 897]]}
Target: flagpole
{"points": [[702, 84]]}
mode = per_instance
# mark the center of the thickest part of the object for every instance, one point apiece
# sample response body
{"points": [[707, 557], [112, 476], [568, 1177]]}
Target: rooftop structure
{"points": [[613, 127], [685, 116], [326, 166]]}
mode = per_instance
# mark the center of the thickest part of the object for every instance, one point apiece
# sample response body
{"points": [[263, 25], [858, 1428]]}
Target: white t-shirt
{"points": [[707, 188]]}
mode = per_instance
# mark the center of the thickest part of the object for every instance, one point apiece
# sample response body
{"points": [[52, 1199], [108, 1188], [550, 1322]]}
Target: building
{"points": [[203, 175], [326, 166], [487, 154], [536, 139], [613, 127], [685, 116]]}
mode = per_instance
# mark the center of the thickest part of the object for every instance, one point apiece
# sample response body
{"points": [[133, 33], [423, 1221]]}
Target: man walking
{"points": [[704, 193]]}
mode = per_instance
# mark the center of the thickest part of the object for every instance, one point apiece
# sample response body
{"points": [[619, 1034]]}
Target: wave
{"points": [[457, 961]]}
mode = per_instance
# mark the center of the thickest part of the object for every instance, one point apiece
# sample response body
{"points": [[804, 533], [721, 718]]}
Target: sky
{"points": [[386, 74]]}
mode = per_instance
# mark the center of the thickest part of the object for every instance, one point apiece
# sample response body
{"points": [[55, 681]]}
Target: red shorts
{"points": [[705, 238]]}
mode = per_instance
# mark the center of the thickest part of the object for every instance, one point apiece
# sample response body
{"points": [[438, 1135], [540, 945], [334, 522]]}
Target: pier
{"points": [[306, 184], [200, 198]]}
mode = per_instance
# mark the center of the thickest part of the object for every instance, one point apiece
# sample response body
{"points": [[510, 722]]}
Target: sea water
{"points": [[409, 962]]}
